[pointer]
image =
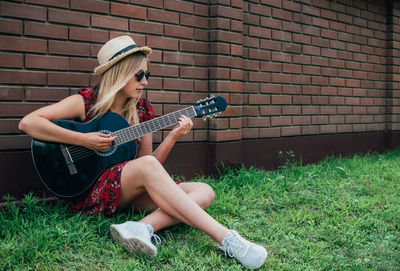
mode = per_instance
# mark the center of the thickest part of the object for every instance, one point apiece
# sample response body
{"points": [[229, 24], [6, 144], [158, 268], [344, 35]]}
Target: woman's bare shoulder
{"points": [[71, 107]]}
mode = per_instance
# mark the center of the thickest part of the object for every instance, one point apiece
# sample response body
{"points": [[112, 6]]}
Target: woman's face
{"points": [[133, 88]]}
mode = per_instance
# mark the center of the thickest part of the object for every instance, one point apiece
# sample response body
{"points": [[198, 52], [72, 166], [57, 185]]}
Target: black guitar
{"points": [[68, 171]]}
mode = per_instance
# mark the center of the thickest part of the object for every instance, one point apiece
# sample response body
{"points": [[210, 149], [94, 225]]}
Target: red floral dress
{"points": [[104, 195]]}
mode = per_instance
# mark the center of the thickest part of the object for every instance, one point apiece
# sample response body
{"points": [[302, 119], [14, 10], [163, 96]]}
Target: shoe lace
{"points": [[234, 246], [156, 238]]}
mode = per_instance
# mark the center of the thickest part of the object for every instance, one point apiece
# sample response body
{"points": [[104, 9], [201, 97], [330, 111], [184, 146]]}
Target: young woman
{"points": [[143, 183]]}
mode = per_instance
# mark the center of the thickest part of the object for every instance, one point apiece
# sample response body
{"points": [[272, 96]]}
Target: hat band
{"points": [[123, 51]]}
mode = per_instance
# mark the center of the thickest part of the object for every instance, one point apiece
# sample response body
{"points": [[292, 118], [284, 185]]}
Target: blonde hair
{"points": [[113, 80]]}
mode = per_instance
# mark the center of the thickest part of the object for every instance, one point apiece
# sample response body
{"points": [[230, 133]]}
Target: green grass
{"points": [[339, 214]]}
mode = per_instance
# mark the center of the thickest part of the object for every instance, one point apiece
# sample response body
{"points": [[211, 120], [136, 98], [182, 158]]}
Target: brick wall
{"points": [[286, 68]]}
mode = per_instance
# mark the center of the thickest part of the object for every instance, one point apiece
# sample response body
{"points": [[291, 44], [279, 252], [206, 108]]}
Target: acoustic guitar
{"points": [[68, 171]]}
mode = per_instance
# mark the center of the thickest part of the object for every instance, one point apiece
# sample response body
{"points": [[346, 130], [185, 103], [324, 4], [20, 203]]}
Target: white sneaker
{"points": [[135, 237], [247, 253]]}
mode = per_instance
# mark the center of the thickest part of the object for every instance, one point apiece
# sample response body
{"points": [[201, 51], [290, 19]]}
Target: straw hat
{"points": [[116, 49]]}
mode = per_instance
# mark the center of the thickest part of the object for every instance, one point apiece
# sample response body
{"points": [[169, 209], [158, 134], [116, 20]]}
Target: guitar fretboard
{"points": [[130, 133]]}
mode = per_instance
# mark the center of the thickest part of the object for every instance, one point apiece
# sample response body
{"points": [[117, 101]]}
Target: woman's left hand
{"points": [[183, 128]]}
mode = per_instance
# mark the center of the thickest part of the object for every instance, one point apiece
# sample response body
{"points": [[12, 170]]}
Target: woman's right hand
{"points": [[97, 141]]}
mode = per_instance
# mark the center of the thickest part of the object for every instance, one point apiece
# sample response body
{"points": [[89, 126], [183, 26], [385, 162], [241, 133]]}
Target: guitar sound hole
{"points": [[110, 150]]}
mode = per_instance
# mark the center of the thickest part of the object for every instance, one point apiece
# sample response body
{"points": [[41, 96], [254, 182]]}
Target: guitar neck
{"points": [[133, 132]]}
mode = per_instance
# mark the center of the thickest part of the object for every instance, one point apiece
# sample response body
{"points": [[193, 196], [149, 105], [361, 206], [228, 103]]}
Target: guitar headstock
{"points": [[210, 107]]}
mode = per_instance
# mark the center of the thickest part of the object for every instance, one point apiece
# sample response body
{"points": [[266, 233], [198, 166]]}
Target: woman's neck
{"points": [[118, 103]]}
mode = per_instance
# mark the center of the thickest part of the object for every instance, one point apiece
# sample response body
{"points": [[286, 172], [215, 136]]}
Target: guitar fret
{"points": [[132, 132]]}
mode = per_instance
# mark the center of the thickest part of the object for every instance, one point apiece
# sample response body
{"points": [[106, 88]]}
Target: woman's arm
{"points": [[184, 126], [39, 126]]}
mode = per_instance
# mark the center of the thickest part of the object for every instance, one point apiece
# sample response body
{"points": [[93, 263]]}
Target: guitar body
{"points": [[69, 174]]}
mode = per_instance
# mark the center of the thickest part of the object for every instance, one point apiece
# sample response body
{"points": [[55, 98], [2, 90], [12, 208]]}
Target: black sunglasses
{"points": [[139, 75]]}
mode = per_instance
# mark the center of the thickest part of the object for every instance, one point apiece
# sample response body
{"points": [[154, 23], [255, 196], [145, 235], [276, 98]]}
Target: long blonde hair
{"points": [[113, 80]]}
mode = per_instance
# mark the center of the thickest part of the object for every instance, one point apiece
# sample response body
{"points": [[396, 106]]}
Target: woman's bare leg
{"points": [[147, 174], [200, 193]]}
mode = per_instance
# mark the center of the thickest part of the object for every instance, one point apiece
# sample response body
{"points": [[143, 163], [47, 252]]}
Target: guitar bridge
{"points": [[68, 160]]}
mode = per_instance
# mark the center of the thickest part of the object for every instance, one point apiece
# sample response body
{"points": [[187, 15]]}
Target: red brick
{"points": [[22, 77], [281, 78], [227, 12], [67, 79], [45, 94], [281, 99], [191, 98], [291, 131], [10, 26], [145, 27], [344, 128], [195, 21], [220, 23], [310, 110], [58, 3], [177, 84], [18, 109], [152, 3], [270, 132], [219, 124], [275, 3], [259, 122], [281, 120], [162, 43], [163, 16], [259, 99], [336, 119], [270, 110], [11, 60], [301, 99], [82, 64], [327, 129], [23, 11], [179, 31], [164, 70], [260, 10], [110, 22], [11, 93], [328, 109], [282, 14], [69, 17], [225, 135], [319, 119], [201, 34], [46, 62], [281, 35], [68, 48], [226, 36], [128, 10], [200, 9], [9, 126], [91, 5], [85, 34], [45, 30], [193, 72], [163, 96], [178, 57], [182, 6], [23, 44], [237, 26], [291, 110], [225, 61]]}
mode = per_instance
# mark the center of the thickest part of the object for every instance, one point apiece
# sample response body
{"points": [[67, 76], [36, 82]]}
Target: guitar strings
{"points": [[80, 152]]}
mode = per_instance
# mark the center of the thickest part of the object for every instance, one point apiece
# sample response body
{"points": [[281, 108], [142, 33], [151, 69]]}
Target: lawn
{"points": [[339, 214]]}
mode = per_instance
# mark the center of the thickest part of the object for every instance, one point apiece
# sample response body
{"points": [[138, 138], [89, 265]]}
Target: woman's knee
{"points": [[208, 195], [147, 164]]}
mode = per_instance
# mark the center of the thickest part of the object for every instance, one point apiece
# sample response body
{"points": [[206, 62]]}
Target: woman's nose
{"points": [[144, 81]]}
